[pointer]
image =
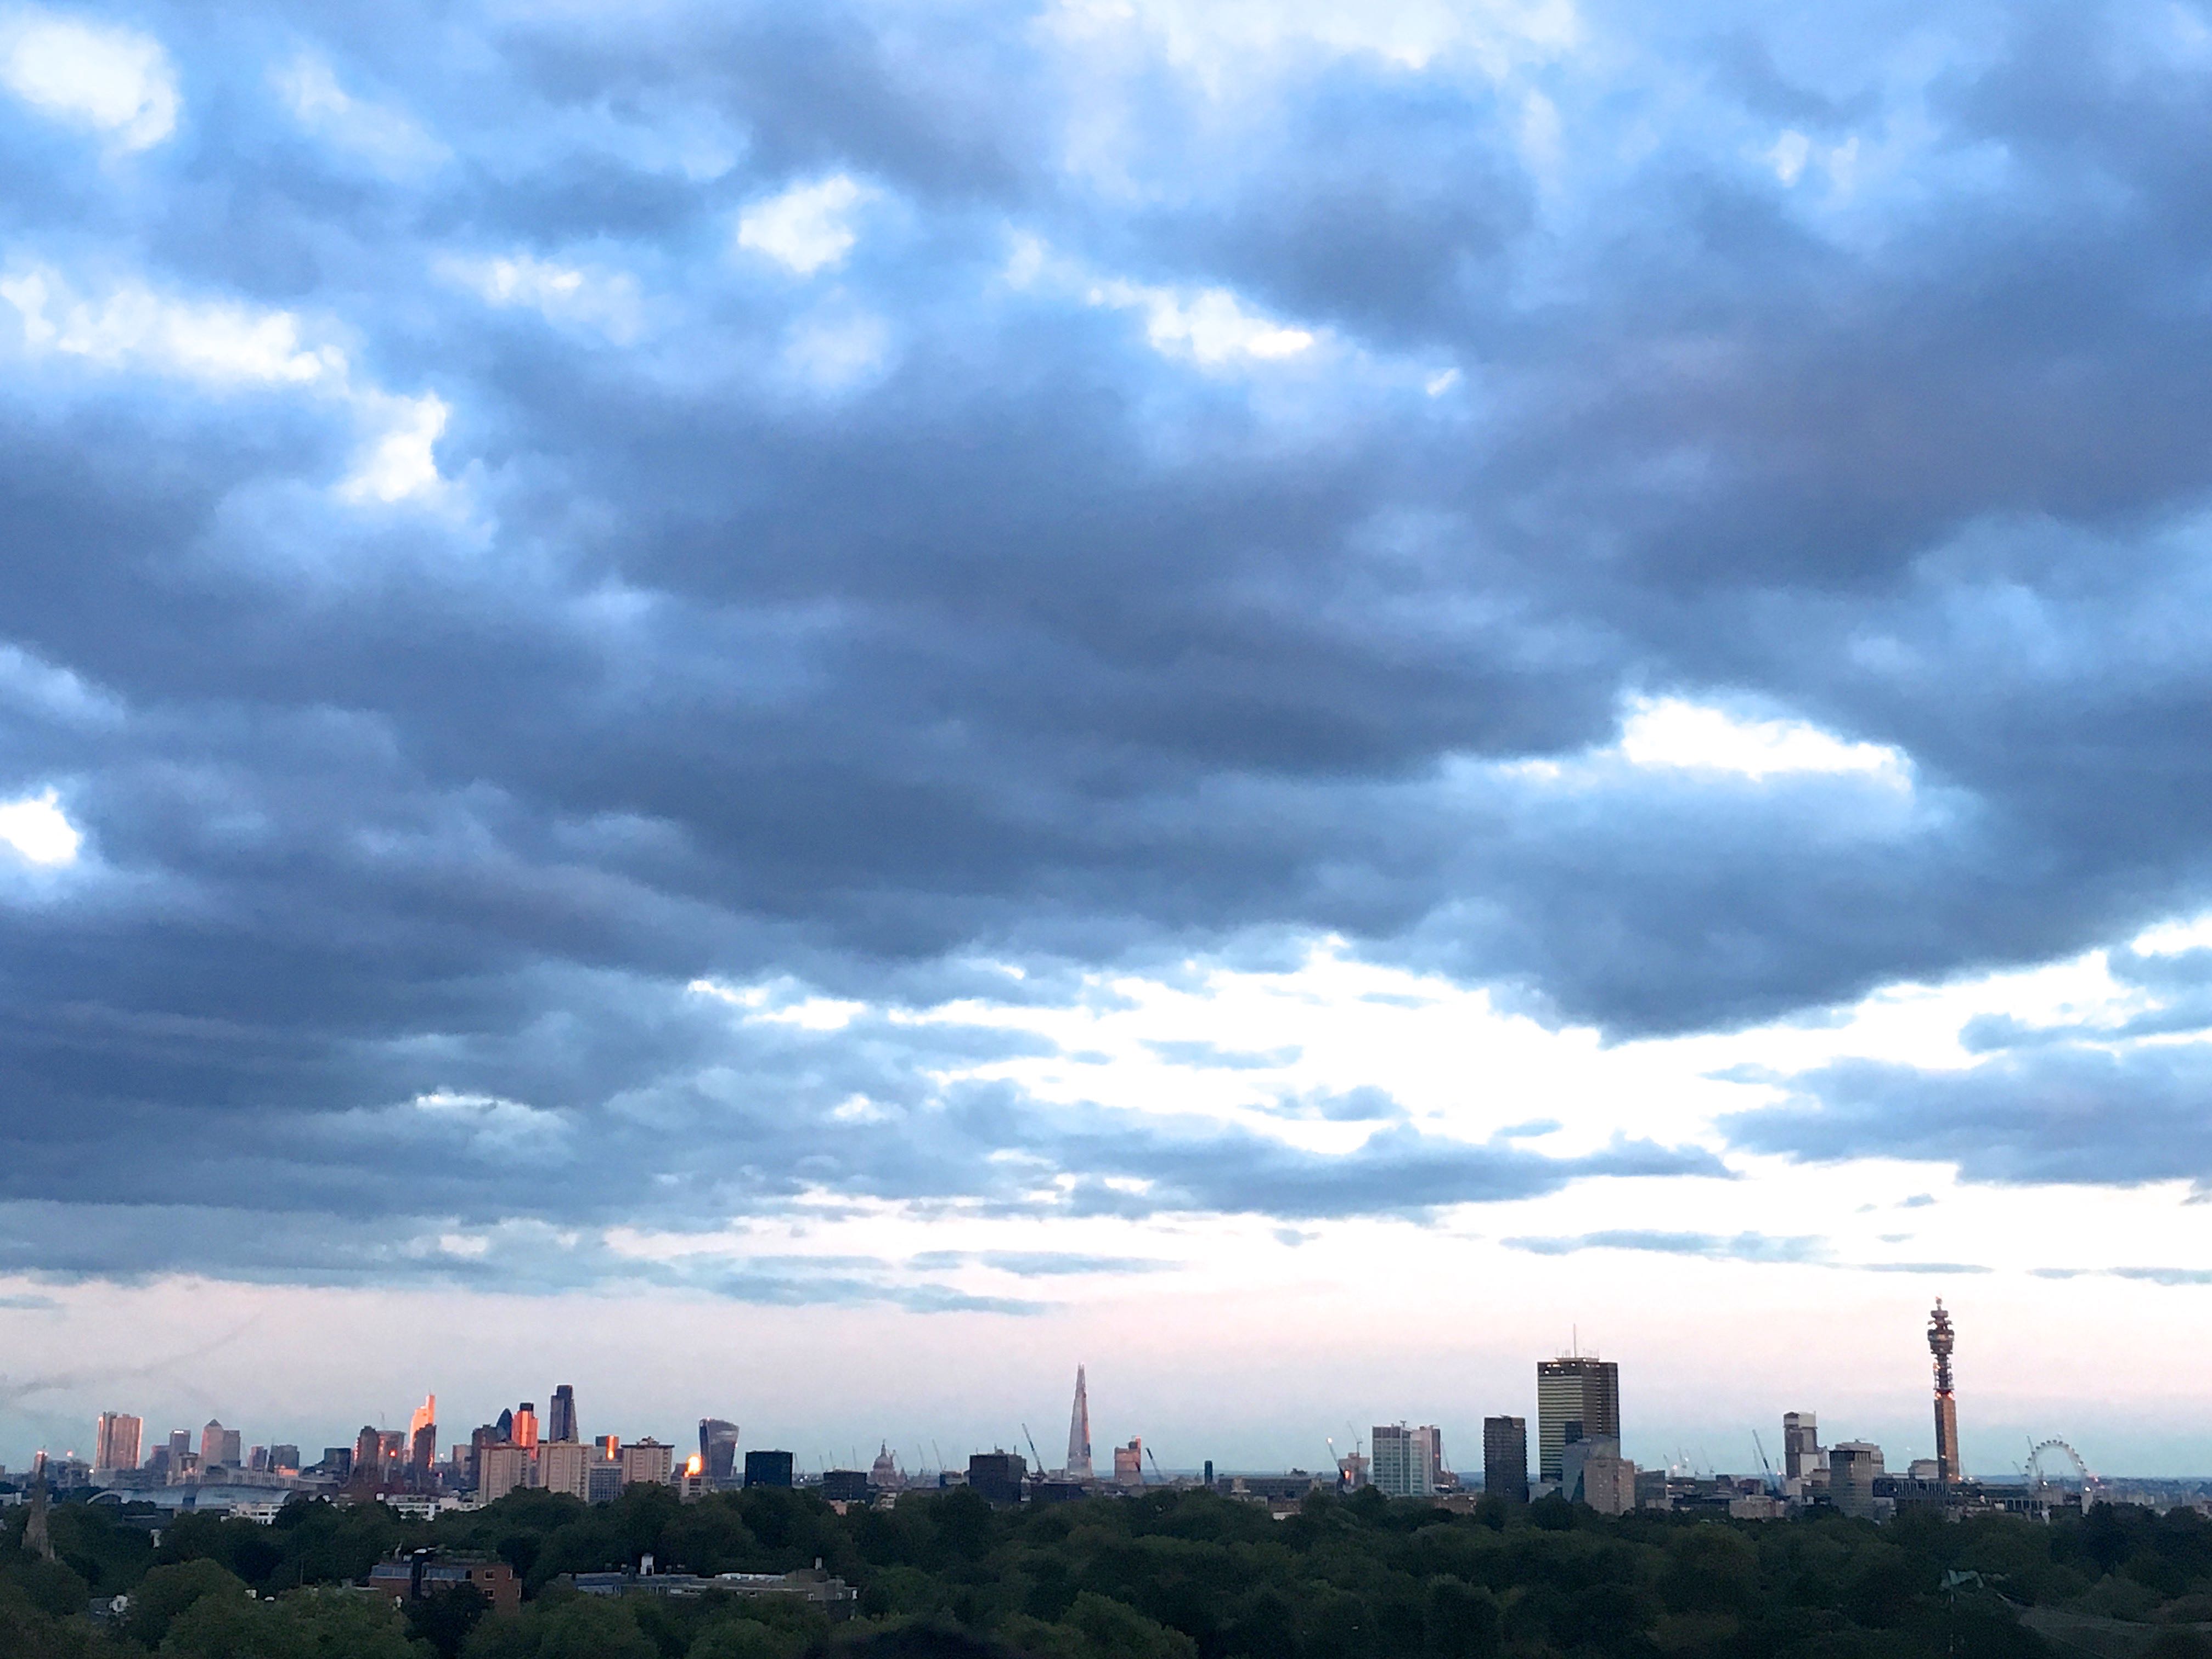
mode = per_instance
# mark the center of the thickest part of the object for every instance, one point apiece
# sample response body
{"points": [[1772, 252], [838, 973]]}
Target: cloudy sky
{"points": [[805, 711]]}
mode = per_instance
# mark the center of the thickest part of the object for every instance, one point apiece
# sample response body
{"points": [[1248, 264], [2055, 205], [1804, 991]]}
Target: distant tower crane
{"points": [[1759, 1446]]}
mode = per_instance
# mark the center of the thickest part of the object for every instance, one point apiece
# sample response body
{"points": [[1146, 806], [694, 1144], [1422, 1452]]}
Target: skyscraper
{"points": [[1078, 1432], [1853, 1467], [561, 1418], [1407, 1461], [526, 1426], [500, 1470], [565, 1465], [767, 1468], [1801, 1445], [1577, 1398], [1505, 1457], [368, 1456], [115, 1442], [219, 1445], [422, 1435], [1940, 1341], [717, 1448]]}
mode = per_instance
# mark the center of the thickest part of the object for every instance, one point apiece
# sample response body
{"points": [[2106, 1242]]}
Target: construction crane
{"points": [[1155, 1467], [1035, 1462], [1759, 1446]]}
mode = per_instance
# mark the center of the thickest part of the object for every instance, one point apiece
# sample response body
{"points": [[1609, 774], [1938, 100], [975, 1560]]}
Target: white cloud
{"points": [[1221, 39], [1211, 328], [838, 354], [387, 136], [1542, 143], [214, 341], [605, 301], [807, 227], [1669, 732], [219, 342], [489, 1126], [1788, 157], [116, 79], [2170, 938], [36, 831], [401, 462]]}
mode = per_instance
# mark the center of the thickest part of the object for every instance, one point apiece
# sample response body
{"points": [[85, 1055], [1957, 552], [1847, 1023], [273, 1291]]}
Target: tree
{"points": [[743, 1639], [445, 1617], [166, 1593], [571, 1627], [1459, 1620]]}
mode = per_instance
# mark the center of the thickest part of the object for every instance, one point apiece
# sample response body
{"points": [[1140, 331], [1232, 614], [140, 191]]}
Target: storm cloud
{"points": [[513, 517]]}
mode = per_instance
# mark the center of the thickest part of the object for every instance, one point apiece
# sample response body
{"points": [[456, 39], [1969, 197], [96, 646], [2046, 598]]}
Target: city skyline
{"points": [[1577, 1397], [811, 715]]}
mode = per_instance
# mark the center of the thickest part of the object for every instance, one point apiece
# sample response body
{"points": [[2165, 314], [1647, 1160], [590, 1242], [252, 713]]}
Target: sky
{"points": [[802, 713]]}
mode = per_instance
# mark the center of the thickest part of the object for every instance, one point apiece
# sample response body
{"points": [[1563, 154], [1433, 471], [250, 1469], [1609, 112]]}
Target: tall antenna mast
{"points": [[1940, 1341]]}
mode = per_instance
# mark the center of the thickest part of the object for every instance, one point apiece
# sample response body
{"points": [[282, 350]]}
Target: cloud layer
{"points": [[1680, 519]]}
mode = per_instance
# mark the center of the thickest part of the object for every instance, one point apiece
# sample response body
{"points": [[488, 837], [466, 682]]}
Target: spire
{"points": [[1078, 1432], [35, 1539]]}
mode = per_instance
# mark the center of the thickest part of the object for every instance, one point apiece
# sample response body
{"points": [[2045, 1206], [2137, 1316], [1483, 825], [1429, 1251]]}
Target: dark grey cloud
{"points": [[1034, 644], [2059, 1112]]}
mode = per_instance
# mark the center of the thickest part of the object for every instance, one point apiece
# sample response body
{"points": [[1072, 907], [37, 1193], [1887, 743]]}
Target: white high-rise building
{"points": [[1078, 1432], [565, 1465], [1407, 1462], [500, 1469], [649, 1462]]}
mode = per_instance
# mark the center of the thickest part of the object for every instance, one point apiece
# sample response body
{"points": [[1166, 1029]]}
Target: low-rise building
{"points": [[810, 1585], [412, 1577]]}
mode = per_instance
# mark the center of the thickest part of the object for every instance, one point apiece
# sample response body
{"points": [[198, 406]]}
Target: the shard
{"points": [[1079, 1433]]}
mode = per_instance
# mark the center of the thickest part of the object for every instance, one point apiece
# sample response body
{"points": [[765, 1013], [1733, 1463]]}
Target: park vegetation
{"points": [[1167, 1575]]}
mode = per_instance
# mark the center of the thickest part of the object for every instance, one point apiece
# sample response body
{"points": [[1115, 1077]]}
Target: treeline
{"points": [[1162, 1576]]}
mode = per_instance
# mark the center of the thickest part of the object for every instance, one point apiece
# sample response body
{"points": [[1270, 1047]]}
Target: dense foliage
{"points": [[1166, 1575]]}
